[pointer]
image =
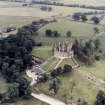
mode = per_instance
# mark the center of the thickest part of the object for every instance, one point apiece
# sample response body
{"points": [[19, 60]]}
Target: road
{"points": [[48, 99], [4, 35]]}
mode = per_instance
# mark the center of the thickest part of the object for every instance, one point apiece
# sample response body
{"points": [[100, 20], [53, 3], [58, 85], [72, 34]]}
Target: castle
{"points": [[63, 50]]}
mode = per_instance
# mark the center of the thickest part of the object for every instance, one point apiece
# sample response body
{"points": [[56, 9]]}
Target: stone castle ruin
{"points": [[63, 50]]}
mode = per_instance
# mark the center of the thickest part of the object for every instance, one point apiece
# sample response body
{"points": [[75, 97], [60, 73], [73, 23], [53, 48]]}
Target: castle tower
{"points": [[63, 50]]}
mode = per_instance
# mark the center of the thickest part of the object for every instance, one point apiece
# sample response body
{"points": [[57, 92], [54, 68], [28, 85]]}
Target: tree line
{"points": [[87, 51], [15, 58]]}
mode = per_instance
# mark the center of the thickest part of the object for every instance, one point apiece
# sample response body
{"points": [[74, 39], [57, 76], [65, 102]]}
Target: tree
{"points": [[82, 102], [96, 30], [48, 33], [84, 18], [68, 34], [15, 57], [67, 68], [12, 94], [49, 8], [13, 91], [97, 44], [76, 16], [24, 87], [53, 85], [100, 98], [56, 34], [95, 19]]}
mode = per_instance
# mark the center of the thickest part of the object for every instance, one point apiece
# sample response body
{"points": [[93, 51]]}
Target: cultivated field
{"points": [[16, 21], [16, 15], [84, 2]]}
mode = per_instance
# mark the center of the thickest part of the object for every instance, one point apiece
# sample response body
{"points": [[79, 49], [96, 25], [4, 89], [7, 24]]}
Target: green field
{"points": [[98, 69], [84, 89], [84, 2], [3, 85], [29, 102], [13, 14], [102, 39], [15, 21], [78, 29], [43, 52], [51, 64], [67, 61]]}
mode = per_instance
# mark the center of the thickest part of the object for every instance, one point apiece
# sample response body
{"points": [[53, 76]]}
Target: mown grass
{"points": [[32, 101], [50, 65], [83, 89], [67, 61], [15, 21], [3, 85], [44, 52], [78, 29], [84, 2], [98, 69]]}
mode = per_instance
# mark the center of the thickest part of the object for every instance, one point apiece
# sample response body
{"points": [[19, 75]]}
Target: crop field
{"points": [[16, 21], [13, 14], [64, 11], [84, 2]]}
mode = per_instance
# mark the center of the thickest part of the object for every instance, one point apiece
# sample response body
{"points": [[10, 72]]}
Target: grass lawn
{"points": [[49, 41], [44, 52], [83, 89], [3, 85], [78, 29], [84, 2], [102, 39], [29, 102], [98, 69], [16, 21], [51, 64], [25, 11], [14, 14], [67, 61], [64, 11]]}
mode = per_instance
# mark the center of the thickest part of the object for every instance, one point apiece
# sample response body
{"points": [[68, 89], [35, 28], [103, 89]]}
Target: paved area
{"points": [[58, 64], [47, 99], [34, 73]]}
